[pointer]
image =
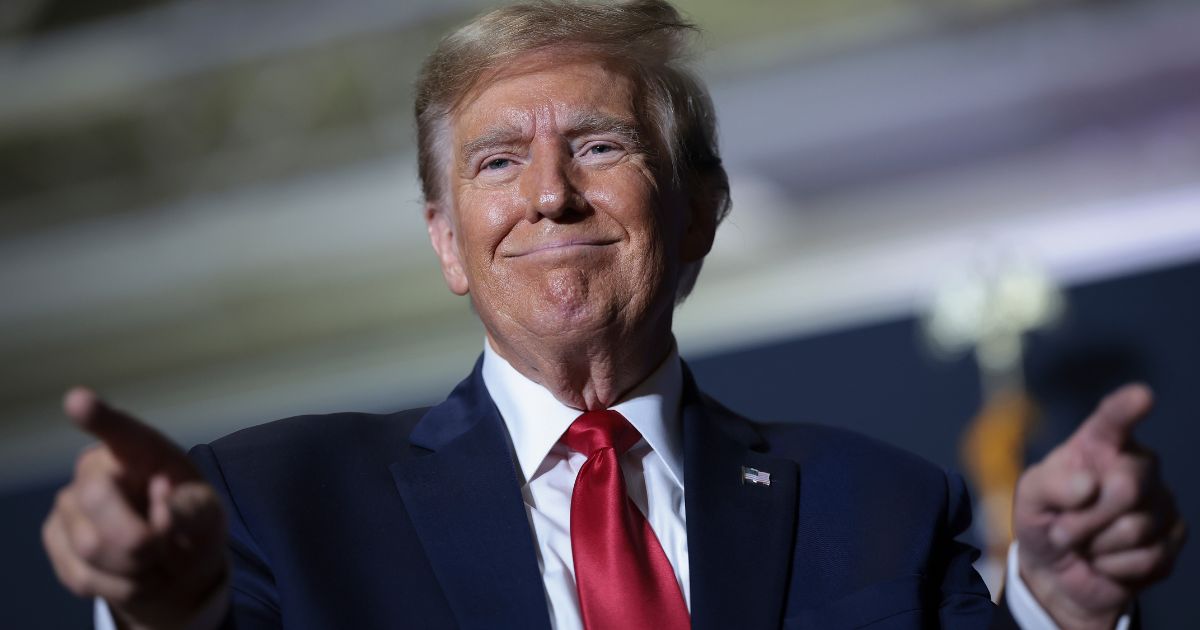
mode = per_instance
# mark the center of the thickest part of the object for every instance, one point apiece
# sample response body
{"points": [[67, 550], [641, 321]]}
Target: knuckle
{"points": [[1022, 490], [120, 595], [1125, 530], [1137, 527], [1155, 556], [78, 579], [86, 543], [1122, 490], [1030, 482], [76, 588], [87, 459], [94, 493], [138, 546], [64, 499], [127, 550], [81, 465], [1032, 472]]}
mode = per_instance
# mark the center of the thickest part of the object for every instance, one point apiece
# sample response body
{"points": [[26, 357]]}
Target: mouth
{"points": [[562, 247]]}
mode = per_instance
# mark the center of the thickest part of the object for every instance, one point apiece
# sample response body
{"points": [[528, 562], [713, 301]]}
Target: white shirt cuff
{"points": [[1025, 609], [209, 617], [102, 618]]}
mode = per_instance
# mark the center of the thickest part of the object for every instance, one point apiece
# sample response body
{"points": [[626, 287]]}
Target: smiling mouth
{"points": [[563, 247]]}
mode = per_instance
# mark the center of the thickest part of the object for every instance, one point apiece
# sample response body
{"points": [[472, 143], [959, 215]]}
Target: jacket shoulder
{"points": [[820, 444], [312, 441], [340, 426], [313, 514], [819, 447], [864, 475]]}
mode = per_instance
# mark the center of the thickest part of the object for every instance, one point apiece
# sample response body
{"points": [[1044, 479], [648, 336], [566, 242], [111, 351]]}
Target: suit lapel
{"points": [[460, 488], [741, 535]]}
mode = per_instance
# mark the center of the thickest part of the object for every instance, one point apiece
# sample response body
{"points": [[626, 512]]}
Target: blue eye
{"points": [[497, 164], [600, 149]]}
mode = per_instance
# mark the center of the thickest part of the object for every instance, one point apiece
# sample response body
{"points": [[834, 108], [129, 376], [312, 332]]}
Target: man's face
{"points": [[556, 224]]}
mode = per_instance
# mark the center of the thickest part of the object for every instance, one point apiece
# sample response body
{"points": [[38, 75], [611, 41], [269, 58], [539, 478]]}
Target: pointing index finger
{"points": [[1113, 421], [138, 446]]}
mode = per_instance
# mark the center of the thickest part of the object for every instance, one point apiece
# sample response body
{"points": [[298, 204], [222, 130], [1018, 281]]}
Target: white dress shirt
{"points": [[653, 470]]}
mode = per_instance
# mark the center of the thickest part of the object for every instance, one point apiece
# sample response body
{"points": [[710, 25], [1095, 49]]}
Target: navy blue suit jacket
{"points": [[415, 520]]}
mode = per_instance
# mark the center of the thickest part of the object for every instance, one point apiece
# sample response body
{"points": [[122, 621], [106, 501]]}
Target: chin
{"points": [[571, 301], [565, 317]]}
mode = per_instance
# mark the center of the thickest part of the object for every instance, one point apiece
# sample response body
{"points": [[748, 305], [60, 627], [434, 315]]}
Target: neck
{"points": [[588, 374]]}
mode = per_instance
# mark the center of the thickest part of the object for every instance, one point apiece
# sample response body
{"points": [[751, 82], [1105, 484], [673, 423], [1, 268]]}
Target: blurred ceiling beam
{"points": [[130, 54], [962, 96], [16, 16], [816, 122]]}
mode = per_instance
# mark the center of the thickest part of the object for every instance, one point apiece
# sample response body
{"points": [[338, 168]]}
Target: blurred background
{"points": [[956, 224]]}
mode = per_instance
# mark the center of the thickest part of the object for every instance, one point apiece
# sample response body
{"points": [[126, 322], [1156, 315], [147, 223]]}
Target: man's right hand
{"points": [[137, 526]]}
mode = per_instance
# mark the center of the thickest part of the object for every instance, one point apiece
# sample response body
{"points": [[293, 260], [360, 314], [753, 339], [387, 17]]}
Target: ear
{"points": [[700, 226], [442, 237]]}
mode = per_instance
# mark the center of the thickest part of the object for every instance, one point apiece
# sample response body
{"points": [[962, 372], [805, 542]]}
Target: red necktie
{"points": [[624, 579]]}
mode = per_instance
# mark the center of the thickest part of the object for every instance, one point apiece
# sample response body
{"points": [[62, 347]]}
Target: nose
{"points": [[548, 187]]}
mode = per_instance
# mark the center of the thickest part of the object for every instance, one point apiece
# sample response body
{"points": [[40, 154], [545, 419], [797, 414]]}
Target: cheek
{"points": [[633, 203], [629, 198], [486, 217]]}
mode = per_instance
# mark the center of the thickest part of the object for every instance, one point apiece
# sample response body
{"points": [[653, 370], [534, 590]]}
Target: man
{"points": [[577, 478]]}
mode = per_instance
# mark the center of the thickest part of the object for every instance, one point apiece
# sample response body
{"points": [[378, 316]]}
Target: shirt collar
{"points": [[536, 419]]}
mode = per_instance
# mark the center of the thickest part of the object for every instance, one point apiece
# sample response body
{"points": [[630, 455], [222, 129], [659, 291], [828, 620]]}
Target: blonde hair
{"points": [[649, 37]]}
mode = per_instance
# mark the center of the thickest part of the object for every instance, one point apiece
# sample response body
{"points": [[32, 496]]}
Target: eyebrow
{"points": [[504, 134], [583, 124], [597, 122]]}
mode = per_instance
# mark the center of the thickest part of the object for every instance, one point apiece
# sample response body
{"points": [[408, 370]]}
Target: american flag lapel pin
{"points": [[756, 476]]}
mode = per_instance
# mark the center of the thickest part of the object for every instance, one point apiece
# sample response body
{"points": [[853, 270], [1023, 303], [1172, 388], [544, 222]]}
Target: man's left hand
{"points": [[1094, 521]]}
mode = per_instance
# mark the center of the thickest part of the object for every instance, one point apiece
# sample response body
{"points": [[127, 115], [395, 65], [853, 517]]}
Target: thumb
{"points": [[190, 521], [140, 449], [1113, 421], [1057, 483], [189, 512]]}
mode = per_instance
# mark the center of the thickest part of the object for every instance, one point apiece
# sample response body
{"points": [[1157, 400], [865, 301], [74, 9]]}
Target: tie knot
{"points": [[595, 430]]}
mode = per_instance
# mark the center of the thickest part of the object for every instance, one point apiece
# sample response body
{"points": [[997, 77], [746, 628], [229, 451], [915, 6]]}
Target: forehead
{"points": [[541, 88]]}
